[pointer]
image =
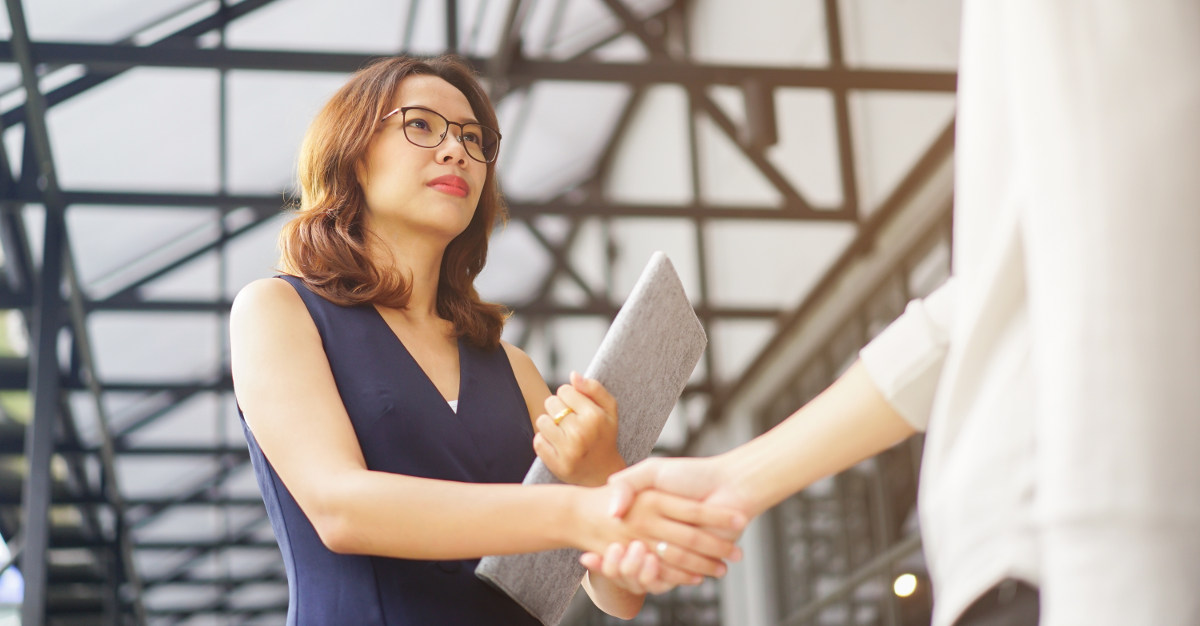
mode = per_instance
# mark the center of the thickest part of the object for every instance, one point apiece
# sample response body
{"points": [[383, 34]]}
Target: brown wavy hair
{"points": [[325, 242]]}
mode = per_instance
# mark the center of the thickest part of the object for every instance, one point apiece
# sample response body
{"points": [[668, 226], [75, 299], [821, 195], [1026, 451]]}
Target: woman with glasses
{"points": [[381, 407]]}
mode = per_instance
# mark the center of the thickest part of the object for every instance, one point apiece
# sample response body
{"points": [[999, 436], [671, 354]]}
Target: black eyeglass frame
{"points": [[461, 129]]}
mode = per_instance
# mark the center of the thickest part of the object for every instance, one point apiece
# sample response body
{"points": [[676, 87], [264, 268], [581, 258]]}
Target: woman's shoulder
{"points": [[267, 297], [517, 357], [529, 379]]}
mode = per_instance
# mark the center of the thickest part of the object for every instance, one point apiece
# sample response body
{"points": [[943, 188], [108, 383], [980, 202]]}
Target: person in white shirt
{"points": [[1057, 373]]}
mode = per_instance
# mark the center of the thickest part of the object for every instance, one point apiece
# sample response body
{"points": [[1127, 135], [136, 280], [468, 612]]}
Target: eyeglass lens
{"points": [[427, 129]]}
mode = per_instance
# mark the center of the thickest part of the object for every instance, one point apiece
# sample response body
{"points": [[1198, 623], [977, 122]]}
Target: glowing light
{"points": [[905, 585]]}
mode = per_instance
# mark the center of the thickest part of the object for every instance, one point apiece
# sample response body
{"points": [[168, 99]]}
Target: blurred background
{"points": [[792, 157]]}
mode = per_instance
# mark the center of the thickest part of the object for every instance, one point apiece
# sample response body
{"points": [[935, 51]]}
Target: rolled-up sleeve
{"points": [[905, 360]]}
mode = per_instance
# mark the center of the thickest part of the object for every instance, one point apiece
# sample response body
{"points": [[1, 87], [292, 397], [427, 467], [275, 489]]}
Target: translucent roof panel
{"points": [[729, 135], [109, 21], [163, 122]]}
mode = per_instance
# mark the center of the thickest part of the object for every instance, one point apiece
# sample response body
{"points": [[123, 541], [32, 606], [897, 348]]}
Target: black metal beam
{"points": [[199, 501], [795, 210], [595, 308], [225, 612], [221, 543], [109, 57], [222, 581], [44, 366], [452, 26], [841, 111], [43, 382], [7, 448]]}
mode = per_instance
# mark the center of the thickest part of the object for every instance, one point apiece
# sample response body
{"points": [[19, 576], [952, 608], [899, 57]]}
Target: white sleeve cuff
{"points": [[905, 360]]}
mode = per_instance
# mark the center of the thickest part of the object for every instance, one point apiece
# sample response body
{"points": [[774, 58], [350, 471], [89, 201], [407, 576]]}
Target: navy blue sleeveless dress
{"points": [[406, 427]]}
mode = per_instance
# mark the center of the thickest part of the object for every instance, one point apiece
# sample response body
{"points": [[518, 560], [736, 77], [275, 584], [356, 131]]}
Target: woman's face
{"points": [[424, 191]]}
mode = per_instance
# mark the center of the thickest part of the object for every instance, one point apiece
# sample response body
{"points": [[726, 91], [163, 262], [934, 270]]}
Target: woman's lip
{"points": [[450, 184]]}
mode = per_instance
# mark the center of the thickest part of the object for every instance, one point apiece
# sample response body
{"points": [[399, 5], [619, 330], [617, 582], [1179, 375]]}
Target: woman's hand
{"points": [[689, 539], [636, 569], [577, 436]]}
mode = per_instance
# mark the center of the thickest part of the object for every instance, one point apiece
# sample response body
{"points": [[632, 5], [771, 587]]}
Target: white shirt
{"points": [[1057, 373]]}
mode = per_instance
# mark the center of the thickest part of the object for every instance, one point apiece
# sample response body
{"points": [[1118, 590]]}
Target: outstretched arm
{"points": [[848, 422], [292, 406]]}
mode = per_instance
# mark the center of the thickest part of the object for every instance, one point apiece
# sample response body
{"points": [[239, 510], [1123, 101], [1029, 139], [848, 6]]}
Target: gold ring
{"points": [[660, 548], [558, 417]]}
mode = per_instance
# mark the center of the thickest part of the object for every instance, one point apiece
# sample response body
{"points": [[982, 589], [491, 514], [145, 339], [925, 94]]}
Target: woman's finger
{"points": [[551, 433], [611, 567], [558, 410], [668, 577], [695, 513], [683, 559], [656, 516], [631, 565], [592, 561], [583, 405], [594, 390]]}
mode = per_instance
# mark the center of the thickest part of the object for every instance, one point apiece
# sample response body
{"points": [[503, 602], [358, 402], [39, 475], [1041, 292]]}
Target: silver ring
{"points": [[660, 548]]}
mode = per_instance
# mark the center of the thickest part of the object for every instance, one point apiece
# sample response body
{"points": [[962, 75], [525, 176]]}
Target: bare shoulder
{"points": [[266, 310], [265, 295], [517, 357], [523, 366], [269, 300], [529, 379]]}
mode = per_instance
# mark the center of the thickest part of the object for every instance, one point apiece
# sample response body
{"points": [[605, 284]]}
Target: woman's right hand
{"points": [[688, 539]]}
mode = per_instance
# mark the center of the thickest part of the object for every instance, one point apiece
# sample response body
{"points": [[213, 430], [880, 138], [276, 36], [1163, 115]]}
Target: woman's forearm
{"points": [[394, 515]]}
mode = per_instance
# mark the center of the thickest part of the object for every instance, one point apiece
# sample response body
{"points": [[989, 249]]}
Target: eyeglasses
{"points": [[427, 128]]}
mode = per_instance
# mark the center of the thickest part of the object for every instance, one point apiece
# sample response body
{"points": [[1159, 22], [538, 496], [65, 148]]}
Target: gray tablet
{"points": [[644, 360]]}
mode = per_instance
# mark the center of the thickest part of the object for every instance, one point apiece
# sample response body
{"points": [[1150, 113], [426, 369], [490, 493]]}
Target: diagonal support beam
{"points": [[93, 78]]}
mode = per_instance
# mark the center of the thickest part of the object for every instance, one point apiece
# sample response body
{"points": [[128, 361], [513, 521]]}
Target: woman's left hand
{"points": [[580, 446]]}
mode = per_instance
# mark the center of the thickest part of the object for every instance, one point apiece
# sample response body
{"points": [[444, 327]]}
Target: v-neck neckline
{"points": [[438, 392]]}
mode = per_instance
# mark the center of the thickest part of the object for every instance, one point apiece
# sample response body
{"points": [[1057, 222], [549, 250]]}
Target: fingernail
{"points": [[737, 554], [721, 569]]}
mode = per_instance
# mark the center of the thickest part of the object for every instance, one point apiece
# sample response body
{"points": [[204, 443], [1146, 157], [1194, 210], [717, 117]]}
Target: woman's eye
{"points": [[472, 137], [418, 124]]}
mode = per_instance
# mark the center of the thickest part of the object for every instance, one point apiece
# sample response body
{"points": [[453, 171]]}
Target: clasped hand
{"points": [[658, 536], [658, 540]]}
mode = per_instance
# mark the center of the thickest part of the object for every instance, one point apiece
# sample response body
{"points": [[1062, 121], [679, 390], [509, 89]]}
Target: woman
{"points": [[375, 388]]}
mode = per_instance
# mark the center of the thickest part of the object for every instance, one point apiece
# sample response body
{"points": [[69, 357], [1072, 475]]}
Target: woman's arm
{"points": [[581, 451], [848, 422], [291, 404]]}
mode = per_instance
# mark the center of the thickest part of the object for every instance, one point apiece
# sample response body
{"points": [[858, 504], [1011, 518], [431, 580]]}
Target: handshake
{"points": [[686, 515], [650, 527]]}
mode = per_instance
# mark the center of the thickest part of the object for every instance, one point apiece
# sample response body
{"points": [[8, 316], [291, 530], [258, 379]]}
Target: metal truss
{"points": [[104, 522]]}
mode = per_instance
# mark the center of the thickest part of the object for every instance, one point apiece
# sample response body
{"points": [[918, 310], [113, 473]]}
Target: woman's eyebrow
{"points": [[469, 120]]}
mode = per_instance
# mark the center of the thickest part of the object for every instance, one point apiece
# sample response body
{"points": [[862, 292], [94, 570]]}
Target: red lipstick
{"points": [[450, 184]]}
